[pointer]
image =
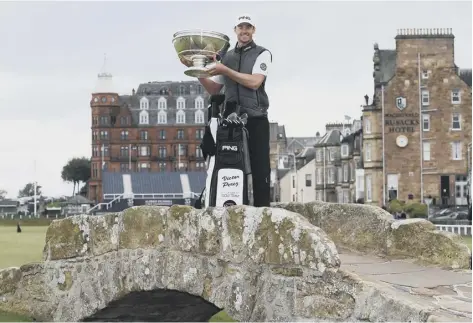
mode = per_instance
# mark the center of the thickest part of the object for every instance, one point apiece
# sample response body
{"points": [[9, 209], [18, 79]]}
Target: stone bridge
{"points": [[258, 264]]}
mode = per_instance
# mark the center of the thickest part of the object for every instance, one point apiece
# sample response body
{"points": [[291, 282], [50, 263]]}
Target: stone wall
{"points": [[370, 229]]}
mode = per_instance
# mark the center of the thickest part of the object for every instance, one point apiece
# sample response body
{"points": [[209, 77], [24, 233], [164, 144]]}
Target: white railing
{"points": [[107, 205], [461, 229], [118, 197]]}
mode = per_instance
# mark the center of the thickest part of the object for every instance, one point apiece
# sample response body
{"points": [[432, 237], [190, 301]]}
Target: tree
{"points": [[3, 193], [76, 170], [28, 190]]}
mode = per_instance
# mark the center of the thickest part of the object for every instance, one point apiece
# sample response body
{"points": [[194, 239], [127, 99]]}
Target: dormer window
{"points": [[344, 150], [144, 104]]}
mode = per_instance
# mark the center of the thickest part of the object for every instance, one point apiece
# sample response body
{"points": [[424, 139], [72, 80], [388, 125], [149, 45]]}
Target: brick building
{"points": [[158, 127], [418, 127]]}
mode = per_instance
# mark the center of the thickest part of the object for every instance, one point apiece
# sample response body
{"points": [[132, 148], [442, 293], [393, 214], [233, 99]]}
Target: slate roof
{"points": [[78, 199], [190, 91], [387, 64], [331, 138], [153, 182], [276, 132], [465, 75], [8, 203]]}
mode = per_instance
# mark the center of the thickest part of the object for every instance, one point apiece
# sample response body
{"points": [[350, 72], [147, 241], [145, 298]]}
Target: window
{"points": [[367, 126], [95, 120], [180, 134], [95, 151], [344, 150], [182, 90], [426, 122], [144, 151], [425, 97], [124, 167], [124, 151], [199, 134], [456, 97], [162, 103], [199, 165], [330, 176], [124, 135], [143, 166], [103, 120], [456, 150], [369, 196], [293, 182], [345, 173], [426, 150], [95, 170], [104, 135], [123, 121], [340, 174], [162, 134], [182, 150], [144, 104], [162, 152], [198, 152], [425, 74], [199, 103], [319, 175], [456, 121], [308, 180], [164, 91], [318, 155], [199, 116], [368, 152], [144, 135], [162, 117], [162, 167], [180, 117], [105, 150], [331, 154], [180, 103], [144, 118]]}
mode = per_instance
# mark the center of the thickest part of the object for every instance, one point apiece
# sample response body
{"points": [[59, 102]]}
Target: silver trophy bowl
{"points": [[200, 47]]}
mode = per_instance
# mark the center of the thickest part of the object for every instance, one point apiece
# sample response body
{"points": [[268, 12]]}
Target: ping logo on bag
{"points": [[229, 148]]}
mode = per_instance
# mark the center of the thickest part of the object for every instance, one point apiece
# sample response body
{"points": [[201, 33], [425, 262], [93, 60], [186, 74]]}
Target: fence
{"points": [[461, 229]]}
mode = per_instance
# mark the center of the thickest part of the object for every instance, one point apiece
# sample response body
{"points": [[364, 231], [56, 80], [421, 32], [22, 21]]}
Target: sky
{"points": [[51, 53]]}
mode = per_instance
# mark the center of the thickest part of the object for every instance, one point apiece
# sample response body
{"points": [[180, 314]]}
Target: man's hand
{"points": [[217, 68]]}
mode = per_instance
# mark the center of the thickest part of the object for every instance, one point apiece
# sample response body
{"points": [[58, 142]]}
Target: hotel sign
{"points": [[401, 122]]}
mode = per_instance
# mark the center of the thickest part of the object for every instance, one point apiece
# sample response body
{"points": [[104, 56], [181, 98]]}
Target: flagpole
{"points": [[179, 156], [103, 157]]}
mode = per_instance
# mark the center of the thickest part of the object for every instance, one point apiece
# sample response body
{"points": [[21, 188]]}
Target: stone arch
{"points": [[259, 264]]}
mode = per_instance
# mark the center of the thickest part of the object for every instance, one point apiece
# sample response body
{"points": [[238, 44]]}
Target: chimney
{"points": [[133, 92]]}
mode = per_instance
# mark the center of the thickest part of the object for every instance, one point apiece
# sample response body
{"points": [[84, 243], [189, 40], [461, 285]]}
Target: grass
{"points": [[467, 241], [17, 249]]}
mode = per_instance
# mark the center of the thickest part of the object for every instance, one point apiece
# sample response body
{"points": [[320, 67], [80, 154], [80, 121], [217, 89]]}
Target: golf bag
{"points": [[225, 147]]}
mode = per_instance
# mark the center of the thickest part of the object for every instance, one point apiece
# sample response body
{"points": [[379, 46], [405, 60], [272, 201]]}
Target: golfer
{"points": [[243, 71]]}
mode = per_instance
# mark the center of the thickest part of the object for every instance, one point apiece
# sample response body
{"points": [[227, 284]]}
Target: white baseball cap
{"points": [[244, 19]]}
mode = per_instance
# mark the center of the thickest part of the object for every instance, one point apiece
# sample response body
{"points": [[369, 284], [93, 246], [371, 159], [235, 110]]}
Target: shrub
{"points": [[416, 210], [395, 206]]}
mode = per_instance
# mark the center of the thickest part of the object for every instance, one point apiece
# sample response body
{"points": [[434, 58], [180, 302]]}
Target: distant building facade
{"points": [[157, 128], [418, 127]]}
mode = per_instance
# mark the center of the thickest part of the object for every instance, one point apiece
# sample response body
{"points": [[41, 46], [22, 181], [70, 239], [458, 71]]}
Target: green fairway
{"points": [[17, 249]]}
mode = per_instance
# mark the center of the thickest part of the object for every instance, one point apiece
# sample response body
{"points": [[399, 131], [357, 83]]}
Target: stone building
{"points": [[350, 186], [159, 127], [418, 126], [330, 184]]}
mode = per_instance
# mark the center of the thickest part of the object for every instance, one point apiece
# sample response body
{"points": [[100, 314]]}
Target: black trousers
{"points": [[258, 131]]}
